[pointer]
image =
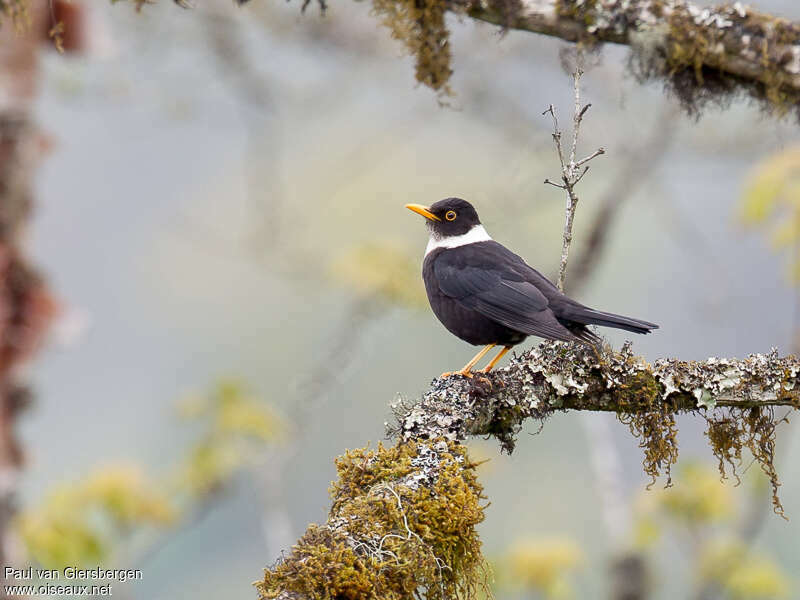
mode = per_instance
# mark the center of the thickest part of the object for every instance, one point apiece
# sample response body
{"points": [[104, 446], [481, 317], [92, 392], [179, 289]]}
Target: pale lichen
{"points": [[704, 54]]}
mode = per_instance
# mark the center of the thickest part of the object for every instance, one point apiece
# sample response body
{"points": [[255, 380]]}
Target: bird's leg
{"points": [[468, 367], [496, 359]]}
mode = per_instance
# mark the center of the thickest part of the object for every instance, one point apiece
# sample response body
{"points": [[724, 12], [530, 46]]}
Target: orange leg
{"points": [[496, 359], [468, 367]]}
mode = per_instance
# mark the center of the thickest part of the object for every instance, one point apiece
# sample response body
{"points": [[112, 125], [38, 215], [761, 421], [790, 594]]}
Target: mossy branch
{"points": [[702, 52], [402, 526], [560, 376], [402, 522]]}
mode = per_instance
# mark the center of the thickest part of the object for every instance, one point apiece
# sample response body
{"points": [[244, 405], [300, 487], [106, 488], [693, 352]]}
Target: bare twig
{"points": [[594, 154], [643, 159], [571, 172], [558, 185]]}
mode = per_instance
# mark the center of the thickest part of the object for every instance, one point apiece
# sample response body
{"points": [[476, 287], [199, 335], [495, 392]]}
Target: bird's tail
{"points": [[589, 316]]}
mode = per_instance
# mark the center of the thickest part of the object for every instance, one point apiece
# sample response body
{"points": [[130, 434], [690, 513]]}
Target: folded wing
{"points": [[490, 283]]}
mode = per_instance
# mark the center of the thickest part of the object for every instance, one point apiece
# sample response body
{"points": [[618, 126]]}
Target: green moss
{"points": [[652, 422], [693, 51], [753, 429], [724, 437], [641, 389], [402, 525], [686, 50], [421, 26], [657, 434], [507, 423]]}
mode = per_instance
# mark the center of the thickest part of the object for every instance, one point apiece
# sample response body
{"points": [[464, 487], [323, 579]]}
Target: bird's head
{"points": [[449, 217]]}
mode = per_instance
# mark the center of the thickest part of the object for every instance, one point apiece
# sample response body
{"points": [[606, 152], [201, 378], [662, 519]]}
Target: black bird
{"points": [[486, 295]]}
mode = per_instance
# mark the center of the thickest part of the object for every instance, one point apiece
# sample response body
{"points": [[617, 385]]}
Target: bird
{"points": [[488, 296]]}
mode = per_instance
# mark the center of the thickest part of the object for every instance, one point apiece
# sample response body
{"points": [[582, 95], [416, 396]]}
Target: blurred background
{"points": [[220, 222]]}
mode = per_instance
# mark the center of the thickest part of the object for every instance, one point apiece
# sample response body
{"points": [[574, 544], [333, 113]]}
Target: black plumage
{"points": [[485, 294]]}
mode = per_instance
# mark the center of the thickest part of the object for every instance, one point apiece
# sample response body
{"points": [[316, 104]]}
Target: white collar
{"points": [[476, 234]]}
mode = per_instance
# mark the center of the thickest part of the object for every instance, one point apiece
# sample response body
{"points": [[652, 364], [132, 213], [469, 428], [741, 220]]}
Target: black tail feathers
{"points": [[589, 316]]}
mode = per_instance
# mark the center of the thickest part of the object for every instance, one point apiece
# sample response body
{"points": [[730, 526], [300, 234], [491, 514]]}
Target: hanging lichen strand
{"points": [[694, 49], [15, 12], [732, 430], [402, 525], [420, 25]]}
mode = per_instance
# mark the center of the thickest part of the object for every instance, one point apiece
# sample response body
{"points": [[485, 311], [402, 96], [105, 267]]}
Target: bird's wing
{"points": [[487, 280], [568, 310]]}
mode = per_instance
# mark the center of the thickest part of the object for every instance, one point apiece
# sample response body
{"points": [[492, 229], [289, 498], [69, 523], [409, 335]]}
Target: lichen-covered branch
{"points": [[560, 376], [402, 525], [737, 398], [402, 522], [701, 51]]}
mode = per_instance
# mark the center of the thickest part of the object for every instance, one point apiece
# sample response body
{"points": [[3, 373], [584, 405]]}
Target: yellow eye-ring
{"points": [[450, 215]]}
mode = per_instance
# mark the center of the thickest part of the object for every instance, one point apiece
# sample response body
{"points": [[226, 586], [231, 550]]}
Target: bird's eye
{"points": [[450, 215]]}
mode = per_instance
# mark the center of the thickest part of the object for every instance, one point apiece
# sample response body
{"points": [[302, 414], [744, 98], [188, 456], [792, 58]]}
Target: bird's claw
{"points": [[447, 374]]}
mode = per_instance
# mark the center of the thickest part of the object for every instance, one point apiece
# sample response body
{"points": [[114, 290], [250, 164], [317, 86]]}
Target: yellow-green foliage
{"points": [[700, 499], [543, 566], [420, 25], [702, 506], [78, 522], [735, 568], [402, 526], [772, 199], [384, 271], [236, 424]]}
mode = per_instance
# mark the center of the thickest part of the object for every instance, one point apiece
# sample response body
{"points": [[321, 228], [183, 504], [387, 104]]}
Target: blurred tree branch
{"points": [[701, 51], [702, 54], [26, 304]]}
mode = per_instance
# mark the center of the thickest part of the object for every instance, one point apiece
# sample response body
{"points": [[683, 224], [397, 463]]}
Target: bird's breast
{"points": [[463, 322]]}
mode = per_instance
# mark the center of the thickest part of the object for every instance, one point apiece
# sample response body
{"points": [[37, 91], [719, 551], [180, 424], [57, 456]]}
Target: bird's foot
{"points": [[463, 372]]}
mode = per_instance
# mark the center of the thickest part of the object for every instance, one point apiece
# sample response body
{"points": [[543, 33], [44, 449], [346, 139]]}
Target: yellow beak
{"points": [[423, 210]]}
